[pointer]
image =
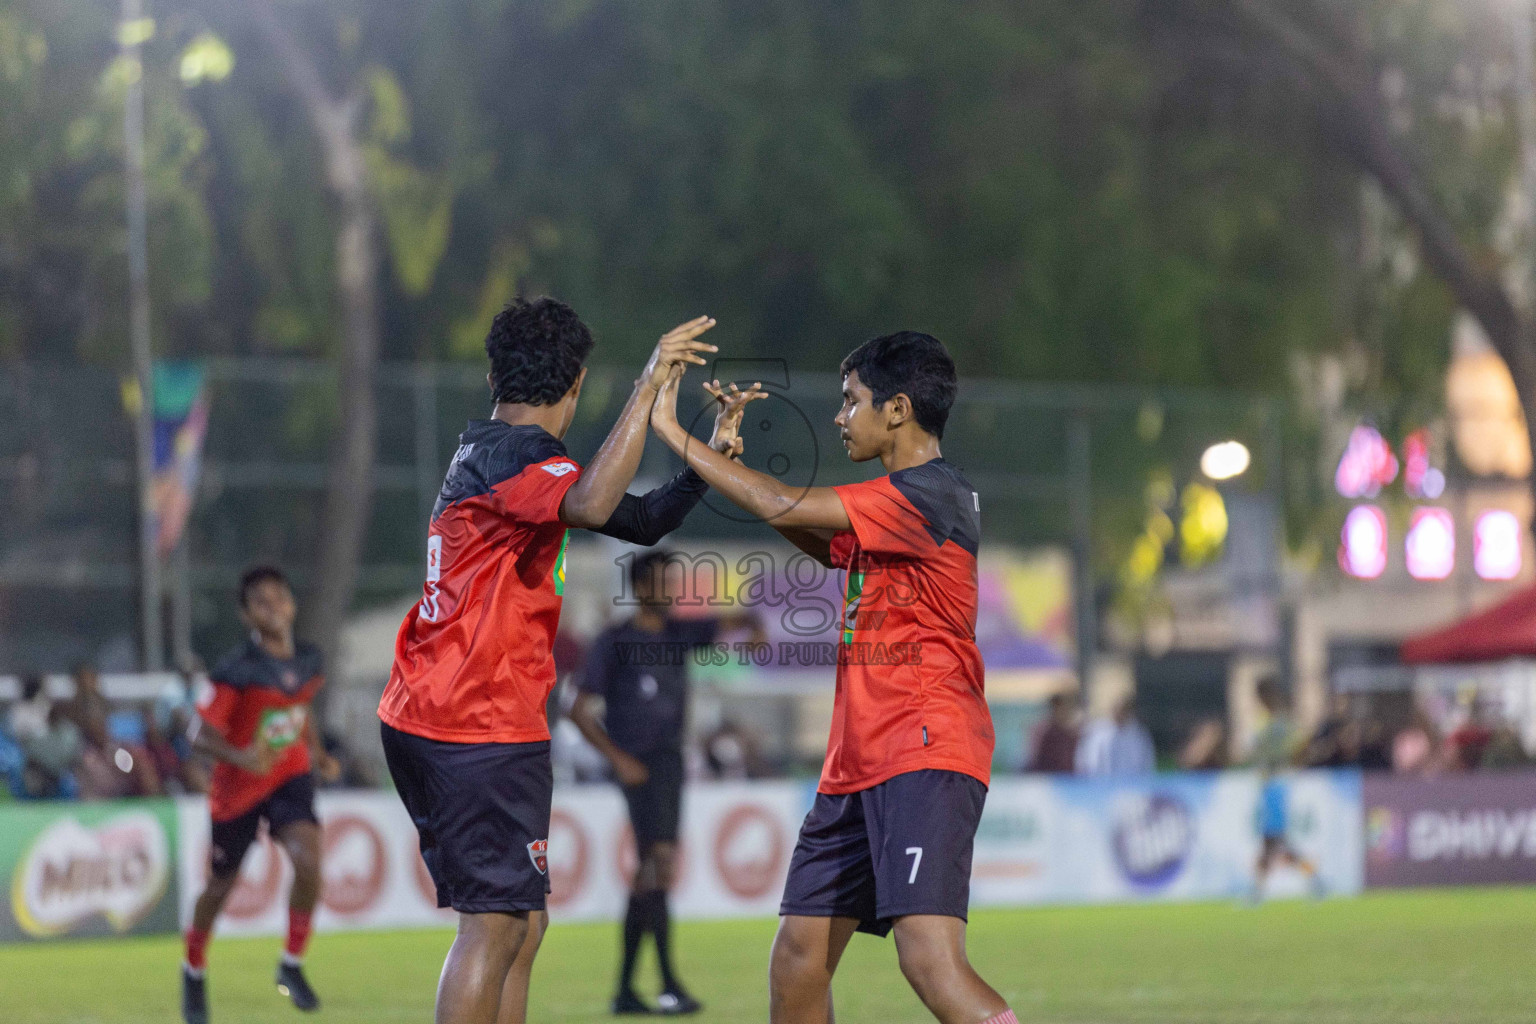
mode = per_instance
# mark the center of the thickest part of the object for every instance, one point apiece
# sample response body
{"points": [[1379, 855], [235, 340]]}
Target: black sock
{"points": [[661, 925], [636, 924]]}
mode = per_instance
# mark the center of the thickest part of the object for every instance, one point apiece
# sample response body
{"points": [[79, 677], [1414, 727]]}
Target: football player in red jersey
{"points": [[254, 721], [887, 844], [463, 715]]}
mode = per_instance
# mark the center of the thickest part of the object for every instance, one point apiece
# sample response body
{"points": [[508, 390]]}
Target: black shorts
{"points": [[293, 801], [656, 805], [482, 810], [902, 847]]}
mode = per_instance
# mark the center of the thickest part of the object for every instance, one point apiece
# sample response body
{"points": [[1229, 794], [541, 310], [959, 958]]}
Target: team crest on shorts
{"points": [[538, 852]]}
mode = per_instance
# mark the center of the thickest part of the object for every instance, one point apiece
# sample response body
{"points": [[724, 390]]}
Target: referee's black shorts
{"points": [[656, 805], [482, 810]]}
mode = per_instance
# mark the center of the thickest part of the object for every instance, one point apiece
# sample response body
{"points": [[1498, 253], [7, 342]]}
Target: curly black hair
{"points": [[537, 349], [913, 364]]}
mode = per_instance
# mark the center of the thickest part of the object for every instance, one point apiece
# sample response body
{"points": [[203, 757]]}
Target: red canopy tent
{"points": [[1507, 630]]}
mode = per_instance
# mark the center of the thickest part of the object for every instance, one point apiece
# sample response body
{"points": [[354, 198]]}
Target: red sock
{"points": [[197, 949], [300, 922], [1006, 1017]]}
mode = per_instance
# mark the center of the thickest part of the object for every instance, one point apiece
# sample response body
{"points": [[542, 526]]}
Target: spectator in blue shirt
{"points": [[1116, 746]]}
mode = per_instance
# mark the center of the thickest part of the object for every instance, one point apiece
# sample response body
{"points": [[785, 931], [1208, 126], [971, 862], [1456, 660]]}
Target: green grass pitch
{"points": [[1435, 957]]}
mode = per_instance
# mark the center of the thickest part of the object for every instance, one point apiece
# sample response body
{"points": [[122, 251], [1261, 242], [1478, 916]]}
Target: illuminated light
{"points": [[1415, 462], [1487, 421], [1363, 550], [123, 760], [1420, 478], [1496, 546], [206, 59], [1431, 544], [1434, 484], [1203, 525], [1367, 464], [1226, 460]]}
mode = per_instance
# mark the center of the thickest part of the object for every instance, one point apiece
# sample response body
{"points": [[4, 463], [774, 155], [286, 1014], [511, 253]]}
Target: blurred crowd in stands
{"points": [[89, 747], [1356, 733]]}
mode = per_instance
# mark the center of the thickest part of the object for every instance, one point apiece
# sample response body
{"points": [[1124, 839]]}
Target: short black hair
{"points": [[31, 685], [641, 568], [537, 350], [908, 363], [254, 577]]}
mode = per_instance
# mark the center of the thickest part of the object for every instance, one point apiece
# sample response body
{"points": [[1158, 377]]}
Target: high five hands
{"points": [[731, 405], [676, 349]]}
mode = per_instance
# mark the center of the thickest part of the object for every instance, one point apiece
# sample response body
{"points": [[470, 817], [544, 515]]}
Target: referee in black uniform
{"points": [[639, 670]]}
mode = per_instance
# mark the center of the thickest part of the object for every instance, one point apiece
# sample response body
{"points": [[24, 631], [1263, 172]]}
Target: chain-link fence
{"points": [[1055, 465]]}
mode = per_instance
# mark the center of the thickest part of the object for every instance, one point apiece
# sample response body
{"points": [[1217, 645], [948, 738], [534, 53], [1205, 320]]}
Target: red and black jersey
{"points": [[252, 694], [473, 659], [910, 693]]}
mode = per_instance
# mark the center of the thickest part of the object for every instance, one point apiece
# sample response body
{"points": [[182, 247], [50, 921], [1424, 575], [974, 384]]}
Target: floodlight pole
{"points": [[130, 37], [1080, 476]]}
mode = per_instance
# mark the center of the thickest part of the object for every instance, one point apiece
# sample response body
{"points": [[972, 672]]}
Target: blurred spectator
{"points": [[731, 752], [1206, 748], [1115, 746], [353, 773], [167, 725], [1414, 747], [1504, 750], [1375, 746], [1334, 744], [1465, 746], [50, 743], [89, 704], [28, 718], [113, 766], [1053, 747], [177, 768]]}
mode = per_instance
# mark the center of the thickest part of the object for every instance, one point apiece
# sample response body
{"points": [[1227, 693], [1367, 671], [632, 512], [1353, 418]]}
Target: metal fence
{"points": [[1054, 464]]}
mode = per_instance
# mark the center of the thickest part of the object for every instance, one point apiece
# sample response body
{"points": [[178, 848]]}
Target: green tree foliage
{"points": [[1023, 180]]}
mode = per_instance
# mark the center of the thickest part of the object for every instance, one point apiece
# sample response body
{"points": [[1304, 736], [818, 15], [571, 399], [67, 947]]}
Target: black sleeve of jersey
{"points": [[653, 515]]}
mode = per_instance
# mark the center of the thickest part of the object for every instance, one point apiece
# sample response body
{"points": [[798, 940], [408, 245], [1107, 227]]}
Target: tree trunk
{"points": [[349, 487], [1347, 104]]}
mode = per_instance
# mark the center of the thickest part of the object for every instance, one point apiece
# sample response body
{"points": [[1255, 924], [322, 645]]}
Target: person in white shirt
{"points": [[1116, 746]]}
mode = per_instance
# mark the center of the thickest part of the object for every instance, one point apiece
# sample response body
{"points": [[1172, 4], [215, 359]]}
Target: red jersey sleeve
{"points": [[883, 520], [534, 495], [216, 704]]}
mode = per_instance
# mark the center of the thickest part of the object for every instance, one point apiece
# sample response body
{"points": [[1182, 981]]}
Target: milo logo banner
{"points": [[88, 869]]}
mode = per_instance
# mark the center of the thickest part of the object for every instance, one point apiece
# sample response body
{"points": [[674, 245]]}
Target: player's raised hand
{"points": [[677, 348], [732, 405]]}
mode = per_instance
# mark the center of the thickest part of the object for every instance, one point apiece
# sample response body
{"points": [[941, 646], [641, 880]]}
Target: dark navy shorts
{"points": [[293, 801], [902, 847], [482, 810], [656, 805]]}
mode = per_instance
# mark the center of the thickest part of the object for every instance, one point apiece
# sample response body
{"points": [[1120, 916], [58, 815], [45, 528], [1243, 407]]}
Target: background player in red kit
{"points": [[463, 719], [254, 721], [888, 841]]}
